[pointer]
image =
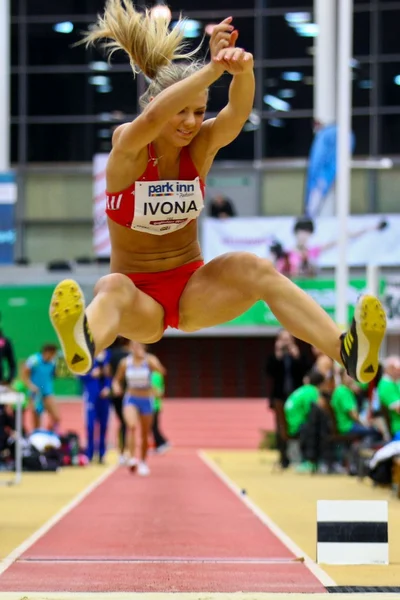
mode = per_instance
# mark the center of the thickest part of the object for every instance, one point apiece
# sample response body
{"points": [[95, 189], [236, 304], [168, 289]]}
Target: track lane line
{"points": [[45, 528], [315, 569]]}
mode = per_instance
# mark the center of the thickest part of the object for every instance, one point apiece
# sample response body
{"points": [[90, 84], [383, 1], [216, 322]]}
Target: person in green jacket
{"points": [[389, 394], [298, 404], [160, 441], [345, 407]]}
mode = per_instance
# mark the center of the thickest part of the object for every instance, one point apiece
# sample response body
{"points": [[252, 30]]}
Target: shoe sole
{"points": [[370, 320], [67, 313]]}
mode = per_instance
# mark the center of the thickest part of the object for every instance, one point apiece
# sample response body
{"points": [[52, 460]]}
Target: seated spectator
{"points": [[389, 393], [345, 407], [298, 405], [221, 207], [7, 356], [316, 443]]}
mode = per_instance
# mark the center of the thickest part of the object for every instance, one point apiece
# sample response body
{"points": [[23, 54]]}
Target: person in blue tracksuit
{"points": [[97, 388]]}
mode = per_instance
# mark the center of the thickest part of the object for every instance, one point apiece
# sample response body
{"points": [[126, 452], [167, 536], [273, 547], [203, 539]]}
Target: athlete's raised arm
{"points": [[227, 125]]}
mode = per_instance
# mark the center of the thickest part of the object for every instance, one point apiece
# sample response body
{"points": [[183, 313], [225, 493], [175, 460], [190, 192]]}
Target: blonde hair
{"points": [[152, 48]]}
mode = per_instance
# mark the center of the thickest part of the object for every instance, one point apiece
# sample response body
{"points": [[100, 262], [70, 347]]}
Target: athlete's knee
{"points": [[117, 284], [251, 268]]}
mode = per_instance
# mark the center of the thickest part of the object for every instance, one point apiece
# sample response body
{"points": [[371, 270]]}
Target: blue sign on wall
{"points": [[8, 199]]}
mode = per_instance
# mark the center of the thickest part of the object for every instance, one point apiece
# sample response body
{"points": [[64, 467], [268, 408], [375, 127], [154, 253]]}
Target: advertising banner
{"points": [[8, 199], [373, 239]]}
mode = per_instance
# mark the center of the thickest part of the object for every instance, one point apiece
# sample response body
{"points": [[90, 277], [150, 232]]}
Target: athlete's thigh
{"points": [[131, 415], [218, 292], [144, 320]]}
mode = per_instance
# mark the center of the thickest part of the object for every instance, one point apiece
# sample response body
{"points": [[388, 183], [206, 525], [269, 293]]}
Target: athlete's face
{"points": [[182, 128]]}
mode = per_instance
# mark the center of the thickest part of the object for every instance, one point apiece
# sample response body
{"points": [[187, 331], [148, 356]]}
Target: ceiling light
{"points": [[161, 11], [397, 80], [99, 65], [292, 76], [276, 103], [276, 122], [99, 80], [307, 29], [296, 18], [104, 89], [64, 27], [190, 27], [286, 93]]}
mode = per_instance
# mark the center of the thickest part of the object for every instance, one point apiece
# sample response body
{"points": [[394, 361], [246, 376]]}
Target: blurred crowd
{"points": [[324, 420]]}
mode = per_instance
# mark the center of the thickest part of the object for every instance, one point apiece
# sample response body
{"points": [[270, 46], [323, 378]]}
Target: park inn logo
{"points": [[170, 189]]}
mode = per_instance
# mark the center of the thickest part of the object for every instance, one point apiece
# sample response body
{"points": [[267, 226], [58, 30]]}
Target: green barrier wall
{"points": [[25, 320]]}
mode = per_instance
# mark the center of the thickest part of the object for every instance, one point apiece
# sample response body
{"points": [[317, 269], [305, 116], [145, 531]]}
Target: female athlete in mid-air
{"points": [[156, 174]]}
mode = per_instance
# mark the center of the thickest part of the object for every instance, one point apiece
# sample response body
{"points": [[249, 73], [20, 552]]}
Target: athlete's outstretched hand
{"points": [[235, 60], [223, 36]]}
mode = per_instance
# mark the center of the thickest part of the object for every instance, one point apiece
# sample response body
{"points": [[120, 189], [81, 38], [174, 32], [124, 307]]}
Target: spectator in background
{"points": [[286, 368], [38, 375], [298, 405], [317, 446], [221, 207], [96, 395], [389, 393], [158, 383], [345, 407], [7, 356], [118, 351]]}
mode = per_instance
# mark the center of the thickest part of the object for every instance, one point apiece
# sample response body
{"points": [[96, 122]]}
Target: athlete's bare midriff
{"points": [[137, 252]]}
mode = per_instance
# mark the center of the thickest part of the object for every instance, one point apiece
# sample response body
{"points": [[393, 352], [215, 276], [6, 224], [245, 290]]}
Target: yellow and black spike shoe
{"points": [[361, 343], [67, 315]]}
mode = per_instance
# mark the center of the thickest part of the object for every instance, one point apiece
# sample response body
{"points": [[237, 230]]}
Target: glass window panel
{"points": [[390, 134], [287, 4], [60, 143], [389, 31], [73, 94], [361, 127], [14, 45], [226, 7], [286, 138], [362, 84], [14, 95], [14, 143], [291, 88], [49, 47], [389, 81], [240, 149], [218, 94], [361, 33], [66, 7], [281, 40]]}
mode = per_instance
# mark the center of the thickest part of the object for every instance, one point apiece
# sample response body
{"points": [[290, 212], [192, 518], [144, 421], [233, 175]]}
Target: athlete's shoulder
{"points": [[33, 360]]}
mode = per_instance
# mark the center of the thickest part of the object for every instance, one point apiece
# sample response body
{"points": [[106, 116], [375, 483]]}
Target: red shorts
{"points": [[166, 287]]}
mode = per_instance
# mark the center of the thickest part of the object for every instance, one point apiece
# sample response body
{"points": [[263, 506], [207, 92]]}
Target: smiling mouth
{"points": [[185, 133]]}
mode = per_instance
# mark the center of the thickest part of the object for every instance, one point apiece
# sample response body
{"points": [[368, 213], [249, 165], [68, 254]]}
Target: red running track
{"points": [[179, 530], [197, 423]]}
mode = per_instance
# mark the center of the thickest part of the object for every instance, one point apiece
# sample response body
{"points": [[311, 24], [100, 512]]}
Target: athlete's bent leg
{"points": [[118, 308], [230, 284]]}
